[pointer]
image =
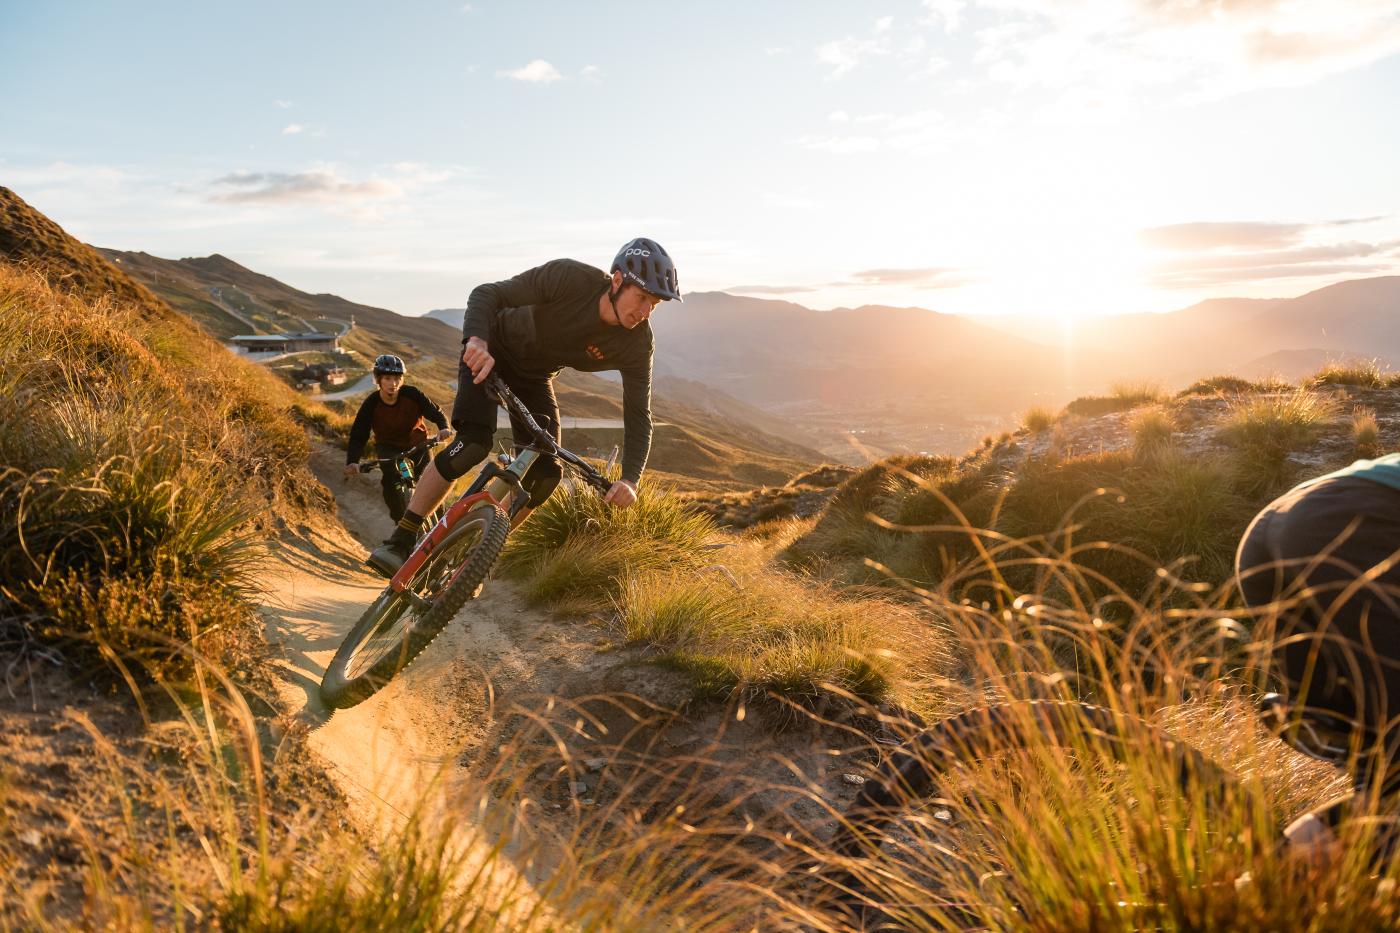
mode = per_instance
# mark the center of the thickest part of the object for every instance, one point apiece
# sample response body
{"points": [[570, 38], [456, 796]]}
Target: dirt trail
{"points": [[498, 658], [386, 750]]}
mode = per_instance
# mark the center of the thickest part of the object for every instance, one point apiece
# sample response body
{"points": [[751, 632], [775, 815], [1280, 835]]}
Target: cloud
{"points": [[1230, 254], [591, 72], [291, 129], [320, 185], [538, 71], [1204, 236], [777, 50], [922, 131], [920, 278], [1197, 49], [1238, 235], [283, 104], [769, 289], [945, 13], [843, 55], [841, 145]]}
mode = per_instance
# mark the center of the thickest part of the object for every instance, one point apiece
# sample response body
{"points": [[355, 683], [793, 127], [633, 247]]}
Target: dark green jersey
{"points": [[546, 318]]}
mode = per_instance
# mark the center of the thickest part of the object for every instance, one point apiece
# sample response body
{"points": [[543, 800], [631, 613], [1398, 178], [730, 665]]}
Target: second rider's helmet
{"points": [[387, 364], [645, 264]]}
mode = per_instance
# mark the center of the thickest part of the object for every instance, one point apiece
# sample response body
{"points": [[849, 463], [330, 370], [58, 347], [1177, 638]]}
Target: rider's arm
{"points": [[359, 431], [533, 286], [636, 420]]}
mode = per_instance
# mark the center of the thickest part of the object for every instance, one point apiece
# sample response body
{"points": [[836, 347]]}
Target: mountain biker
{"points": [[1328, 552], [395, 414], [526, 329]]}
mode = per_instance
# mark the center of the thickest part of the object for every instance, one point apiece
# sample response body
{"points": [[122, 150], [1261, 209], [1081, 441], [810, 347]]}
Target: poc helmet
{"points": [[387, 364], [645, 264]]}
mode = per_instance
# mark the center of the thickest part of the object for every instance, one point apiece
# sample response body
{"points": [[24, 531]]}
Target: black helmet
{"points": [[644, 263], [387, 364]]}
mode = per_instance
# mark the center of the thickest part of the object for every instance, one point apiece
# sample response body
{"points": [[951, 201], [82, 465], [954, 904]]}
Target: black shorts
{"points": [[1337, 644], [474, 412]]}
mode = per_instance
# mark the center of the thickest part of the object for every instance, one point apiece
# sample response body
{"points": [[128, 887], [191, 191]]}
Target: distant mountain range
{"points": [[767, 351], [892, 379]]}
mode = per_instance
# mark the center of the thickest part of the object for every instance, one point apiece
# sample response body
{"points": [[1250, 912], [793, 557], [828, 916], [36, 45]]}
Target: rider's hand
{"points": [[622, 494], [351, 470], [476, 355], [444, 434]]}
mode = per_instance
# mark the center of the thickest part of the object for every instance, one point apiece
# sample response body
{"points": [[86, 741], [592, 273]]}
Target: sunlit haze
{"points": [[1018, 156]]}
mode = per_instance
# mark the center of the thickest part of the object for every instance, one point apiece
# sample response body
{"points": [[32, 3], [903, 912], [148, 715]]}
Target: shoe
{"points": [[389, 556]]}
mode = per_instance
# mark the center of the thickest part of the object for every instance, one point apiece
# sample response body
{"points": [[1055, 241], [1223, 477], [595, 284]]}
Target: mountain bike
{"points": [[401, 468], [913, 776], [448, 568]]}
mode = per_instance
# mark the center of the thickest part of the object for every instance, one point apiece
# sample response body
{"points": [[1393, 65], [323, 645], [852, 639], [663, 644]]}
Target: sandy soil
{"points": [[502, 666]]}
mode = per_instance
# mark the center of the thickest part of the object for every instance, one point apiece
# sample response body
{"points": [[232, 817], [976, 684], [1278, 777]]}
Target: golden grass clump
{"points": [[1231, 385], [1365, 432], [575, 550], [1037, 419], [1122, 397], [134, 461], [1152, 430], [1276, 424], [768, 633], [1366, 374]]}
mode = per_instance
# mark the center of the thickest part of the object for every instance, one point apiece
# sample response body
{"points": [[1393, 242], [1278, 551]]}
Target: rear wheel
{"points": [[399, 625]]}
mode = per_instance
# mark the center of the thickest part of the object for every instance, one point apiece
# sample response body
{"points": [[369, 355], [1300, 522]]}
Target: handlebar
{"points": [[495, 385], [368, 466]]}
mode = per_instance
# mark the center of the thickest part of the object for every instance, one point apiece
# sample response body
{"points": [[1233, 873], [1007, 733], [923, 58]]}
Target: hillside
{"points": [[701, 441], [1164, 480]]}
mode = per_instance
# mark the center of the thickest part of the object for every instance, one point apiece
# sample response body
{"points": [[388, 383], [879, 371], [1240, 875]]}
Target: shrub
{"points": [[1124, 396], [1037, 419], [132, 469], [1229, 385], [1368, 375], [1152, 431], [575, 549], [1264, 429], [770, 633], [1365, 432]]}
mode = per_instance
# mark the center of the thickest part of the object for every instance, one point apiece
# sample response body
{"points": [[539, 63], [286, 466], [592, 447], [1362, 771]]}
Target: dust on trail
{"points": [[401, 751], [385, 751]]}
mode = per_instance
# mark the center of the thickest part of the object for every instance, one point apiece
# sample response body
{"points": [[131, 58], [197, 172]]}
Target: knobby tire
{"points": [[340, 689]]}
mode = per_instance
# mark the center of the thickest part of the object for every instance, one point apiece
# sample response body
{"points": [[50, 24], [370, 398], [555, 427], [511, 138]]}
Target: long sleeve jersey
{"points": [[398, 425], [546, 318]]}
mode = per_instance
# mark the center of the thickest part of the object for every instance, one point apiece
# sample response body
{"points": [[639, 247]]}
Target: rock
{"points": [[855, 780], [577, 788], [596, 764], [32, 838], [944, 815]]}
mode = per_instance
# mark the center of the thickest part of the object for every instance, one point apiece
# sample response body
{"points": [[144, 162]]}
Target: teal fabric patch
{"points": [[1384, 470]]}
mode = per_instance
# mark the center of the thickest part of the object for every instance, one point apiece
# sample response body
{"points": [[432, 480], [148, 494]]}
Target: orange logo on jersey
{"points": [[594, 352]]}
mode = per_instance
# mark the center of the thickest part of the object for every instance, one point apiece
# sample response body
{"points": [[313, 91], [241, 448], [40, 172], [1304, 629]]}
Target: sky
{"points": [[1055, 157]]}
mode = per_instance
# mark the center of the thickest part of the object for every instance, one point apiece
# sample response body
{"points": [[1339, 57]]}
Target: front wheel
{"points": [[399, 625]]}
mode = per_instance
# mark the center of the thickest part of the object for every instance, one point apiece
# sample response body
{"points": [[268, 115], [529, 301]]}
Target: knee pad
{"points": [[467, 449], [542, 479]]}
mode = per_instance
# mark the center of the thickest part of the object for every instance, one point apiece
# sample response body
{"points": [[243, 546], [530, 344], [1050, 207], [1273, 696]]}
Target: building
{"points": [[317, 375], [267, 344]]}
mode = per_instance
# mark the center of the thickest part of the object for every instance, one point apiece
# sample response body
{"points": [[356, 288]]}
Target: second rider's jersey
{"points": [[546, 318], [400, 425]]}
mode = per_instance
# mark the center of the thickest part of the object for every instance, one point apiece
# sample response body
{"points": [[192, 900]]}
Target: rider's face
{"points": [[389, 385], [634, 305]]}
